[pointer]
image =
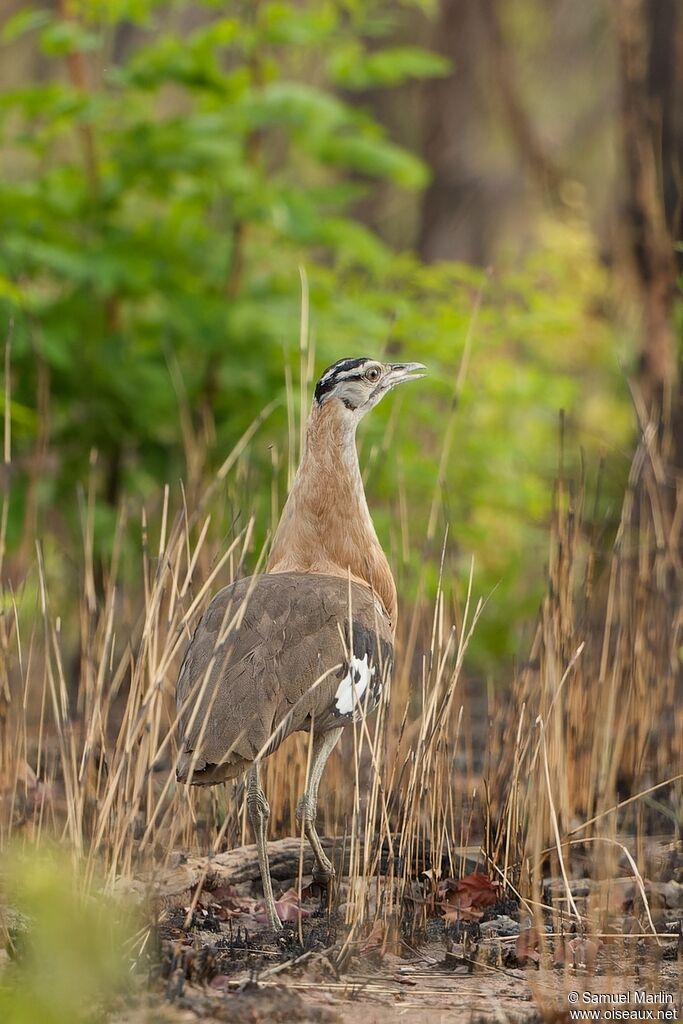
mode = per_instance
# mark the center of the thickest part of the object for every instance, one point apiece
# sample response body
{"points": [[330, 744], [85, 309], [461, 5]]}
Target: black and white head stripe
{"points": [[345, 369]]}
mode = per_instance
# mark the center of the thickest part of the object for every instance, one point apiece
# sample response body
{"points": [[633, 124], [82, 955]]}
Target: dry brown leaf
{"points": [[464, 899], [375, 939], [290, 896], [222, 893], [454, 914], [220, 981], [584, 952], [476, 890], [224, 913], [227, 903], [313, 890], [526, 946], [287, 908]]}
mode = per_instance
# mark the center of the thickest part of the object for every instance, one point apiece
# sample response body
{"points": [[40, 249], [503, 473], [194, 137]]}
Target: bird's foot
{"points": [[324, 875], [274, 922]]}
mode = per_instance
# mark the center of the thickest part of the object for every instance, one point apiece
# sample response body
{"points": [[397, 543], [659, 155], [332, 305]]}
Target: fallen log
{"points": [[231, 867], [240, 866]]}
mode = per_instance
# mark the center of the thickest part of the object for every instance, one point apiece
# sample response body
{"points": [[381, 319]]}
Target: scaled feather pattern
{"points": [[270, 653]]}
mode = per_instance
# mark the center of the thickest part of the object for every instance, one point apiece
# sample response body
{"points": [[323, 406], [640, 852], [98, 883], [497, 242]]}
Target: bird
{"points": [[309, 643]]}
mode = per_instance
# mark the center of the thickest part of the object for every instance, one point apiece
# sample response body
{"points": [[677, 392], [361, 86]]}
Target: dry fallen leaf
{"points": [[584, 952], [464, 899], [227, 903], [526, 946], [224, 913], [476, 890], [287, 908], [221, 981], [222, 893], [375, 939], [454, 914], [313, 890]]}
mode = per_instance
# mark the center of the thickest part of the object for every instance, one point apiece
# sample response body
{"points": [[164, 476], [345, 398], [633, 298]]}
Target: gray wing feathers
{"points": [[241, 679]]}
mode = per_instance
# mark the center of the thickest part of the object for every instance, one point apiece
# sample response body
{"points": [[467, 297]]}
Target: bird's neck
{"points": [[325, 526]]}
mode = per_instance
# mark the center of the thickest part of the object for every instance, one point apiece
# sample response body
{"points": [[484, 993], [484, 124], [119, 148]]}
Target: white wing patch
{"points": [[355, 681]]}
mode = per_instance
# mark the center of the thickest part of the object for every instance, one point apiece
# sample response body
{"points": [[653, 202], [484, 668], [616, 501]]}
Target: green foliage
{"points": [[352, 68], [157, 212], [66, 944], [144, 224]]}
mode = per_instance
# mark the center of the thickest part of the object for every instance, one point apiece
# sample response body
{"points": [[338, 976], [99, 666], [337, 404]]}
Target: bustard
{"points": [[309, 644]]}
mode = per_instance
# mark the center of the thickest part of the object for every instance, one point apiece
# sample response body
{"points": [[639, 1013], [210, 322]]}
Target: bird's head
{"points": [[359, 384]]}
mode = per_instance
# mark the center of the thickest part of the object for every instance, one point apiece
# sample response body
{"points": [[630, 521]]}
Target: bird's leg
{"points": [[259, 813], [323, 746]]}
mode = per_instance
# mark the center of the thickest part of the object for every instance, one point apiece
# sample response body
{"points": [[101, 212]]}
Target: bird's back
{"points": [[270, 653]]}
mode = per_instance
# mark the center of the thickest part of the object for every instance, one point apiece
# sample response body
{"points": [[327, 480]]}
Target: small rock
{"points": [[129, 888], [177, 858], [577, 886], [502, 925], [673, 894]]}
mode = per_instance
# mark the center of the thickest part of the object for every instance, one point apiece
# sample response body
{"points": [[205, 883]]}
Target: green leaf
{"points": [[295, 105], [354, 244], [353, 68], [171, 59], [376, 157], [10, 291], [23, 22], [297, 25], [222, 32], [67, 36], [21, 415]]}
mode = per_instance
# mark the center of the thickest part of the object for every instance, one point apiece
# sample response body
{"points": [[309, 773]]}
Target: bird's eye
{"points": [[372, 374]]}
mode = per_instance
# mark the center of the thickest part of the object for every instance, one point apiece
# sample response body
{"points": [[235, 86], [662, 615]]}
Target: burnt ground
{"points": [[470, 953]]}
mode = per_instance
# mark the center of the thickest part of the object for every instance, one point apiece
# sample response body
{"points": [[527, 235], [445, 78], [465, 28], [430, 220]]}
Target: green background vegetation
{"points": [[71, 952], [160, 202]]}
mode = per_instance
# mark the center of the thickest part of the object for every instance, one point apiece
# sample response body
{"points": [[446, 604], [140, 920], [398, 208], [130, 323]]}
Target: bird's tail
{"points": [[206, 774]]}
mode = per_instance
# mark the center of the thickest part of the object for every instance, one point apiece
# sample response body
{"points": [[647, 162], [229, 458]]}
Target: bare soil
{"points": [[221, 963]]}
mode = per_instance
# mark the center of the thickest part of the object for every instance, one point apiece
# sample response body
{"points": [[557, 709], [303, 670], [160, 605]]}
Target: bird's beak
{"points": [[399, 373]]}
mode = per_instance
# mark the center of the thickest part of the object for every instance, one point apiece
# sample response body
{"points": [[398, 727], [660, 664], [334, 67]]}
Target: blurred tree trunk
{"points": [[650, 38], [468, 196], [538, 163], [473, 190], [650, 43]]}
